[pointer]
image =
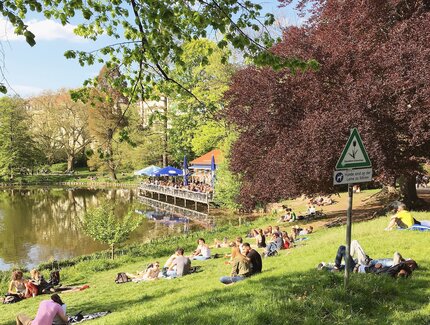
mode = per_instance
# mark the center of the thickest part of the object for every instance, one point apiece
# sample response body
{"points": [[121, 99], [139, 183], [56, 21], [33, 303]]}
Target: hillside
{"points": [[289, 291]]}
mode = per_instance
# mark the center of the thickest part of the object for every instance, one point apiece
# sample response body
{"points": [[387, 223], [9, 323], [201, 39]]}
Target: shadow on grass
{"points": [[300, 298]]}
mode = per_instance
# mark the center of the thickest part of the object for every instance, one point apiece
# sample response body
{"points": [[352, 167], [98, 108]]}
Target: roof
{"points": [[207, 157]]}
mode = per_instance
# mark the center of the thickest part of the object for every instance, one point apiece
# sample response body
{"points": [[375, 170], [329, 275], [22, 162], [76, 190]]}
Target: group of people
{"points": [[395, 267], [192, 186], [22, 288]]}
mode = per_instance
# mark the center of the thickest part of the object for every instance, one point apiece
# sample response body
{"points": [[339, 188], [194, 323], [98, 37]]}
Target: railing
{"points": [[177, 192], [174, 209]]}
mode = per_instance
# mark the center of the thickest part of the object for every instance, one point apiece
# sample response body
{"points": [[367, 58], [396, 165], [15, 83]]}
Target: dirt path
{"points": [[366, 205]]}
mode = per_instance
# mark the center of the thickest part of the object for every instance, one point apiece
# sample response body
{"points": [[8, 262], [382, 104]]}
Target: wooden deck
{"points": [[175, 209], [204, 198]]}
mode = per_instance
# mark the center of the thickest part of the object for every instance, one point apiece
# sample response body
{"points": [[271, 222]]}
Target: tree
{"points": [[61, 124], [107, 118], [103, 225], [17, 148], [372, 57], [192, 122], [147, 37]]}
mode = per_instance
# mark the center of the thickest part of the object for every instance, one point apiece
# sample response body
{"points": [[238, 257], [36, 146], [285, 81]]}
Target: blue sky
{"points": [[32, 70]]}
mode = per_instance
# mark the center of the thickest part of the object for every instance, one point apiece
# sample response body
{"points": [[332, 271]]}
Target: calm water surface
{"points": [[38, 224]]}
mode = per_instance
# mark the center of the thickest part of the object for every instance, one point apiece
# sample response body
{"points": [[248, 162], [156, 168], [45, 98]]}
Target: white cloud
{"points": [[45, 30], [24, 90]]}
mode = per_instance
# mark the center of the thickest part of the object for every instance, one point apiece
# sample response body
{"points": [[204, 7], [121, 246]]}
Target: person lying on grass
{"points": [[364, 264], [48, 310], [402, 219], [151, 273], [202, 251]]}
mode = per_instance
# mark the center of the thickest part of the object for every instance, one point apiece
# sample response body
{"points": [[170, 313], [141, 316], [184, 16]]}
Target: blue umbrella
{"points": [[213, 167], [148, 171], [185, 171], [169, 171]]}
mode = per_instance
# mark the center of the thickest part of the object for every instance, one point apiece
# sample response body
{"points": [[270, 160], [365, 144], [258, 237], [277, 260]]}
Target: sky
{"points": [[29, 71]]}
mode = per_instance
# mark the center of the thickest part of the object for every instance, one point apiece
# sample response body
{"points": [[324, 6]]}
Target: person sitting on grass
{"points": [[39, 281], [290, 216], [274, 246], [286, 240], [239, 244], [253, 257], [260, 239], [240, 270], [202, 251], [18, 285], [46, 313], [402, 219], [180, 266]]}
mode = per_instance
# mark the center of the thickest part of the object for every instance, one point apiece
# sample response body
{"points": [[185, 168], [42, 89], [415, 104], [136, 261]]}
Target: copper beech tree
{"points": [[374, 75]]}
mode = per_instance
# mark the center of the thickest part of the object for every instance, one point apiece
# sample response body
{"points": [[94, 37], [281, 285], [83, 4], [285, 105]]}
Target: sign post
{"points": [[353, 166]]}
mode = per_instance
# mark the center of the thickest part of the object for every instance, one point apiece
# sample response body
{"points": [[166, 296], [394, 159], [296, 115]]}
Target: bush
{"points": [[60, 167]]}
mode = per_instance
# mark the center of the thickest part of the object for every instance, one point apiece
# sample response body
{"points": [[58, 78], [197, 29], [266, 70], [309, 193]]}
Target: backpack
{"points": [[122, 278], [54, 278]]}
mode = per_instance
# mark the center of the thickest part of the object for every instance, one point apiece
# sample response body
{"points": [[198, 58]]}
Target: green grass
{"points": [[81, 175], [289, 291]]}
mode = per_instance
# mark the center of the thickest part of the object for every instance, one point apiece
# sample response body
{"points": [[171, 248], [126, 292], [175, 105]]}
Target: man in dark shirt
{"points": [[254, 257]]}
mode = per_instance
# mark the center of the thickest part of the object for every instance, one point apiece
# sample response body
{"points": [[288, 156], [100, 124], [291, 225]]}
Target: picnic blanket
{"points": [[419, 228], [79, 318]]}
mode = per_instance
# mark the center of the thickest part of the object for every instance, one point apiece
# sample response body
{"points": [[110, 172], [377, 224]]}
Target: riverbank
{"points": [[289, 291], [81, 178]]}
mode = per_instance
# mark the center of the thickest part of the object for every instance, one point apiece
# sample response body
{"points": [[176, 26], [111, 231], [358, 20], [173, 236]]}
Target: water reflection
{"points": [[39, 224]]}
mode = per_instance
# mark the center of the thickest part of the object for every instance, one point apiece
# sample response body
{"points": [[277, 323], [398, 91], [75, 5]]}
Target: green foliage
{"points": [[103, 225], [59, 167], [17, 148], [228, 184], [208, 136], [193, 127]]}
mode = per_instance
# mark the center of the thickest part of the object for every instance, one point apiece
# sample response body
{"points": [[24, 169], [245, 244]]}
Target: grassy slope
{"points": [[289, 291]]}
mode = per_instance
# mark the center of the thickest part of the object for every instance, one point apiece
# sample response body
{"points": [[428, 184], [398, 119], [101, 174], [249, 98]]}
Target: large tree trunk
{"points": [[70, 162], [112, 173], [408, 190]]}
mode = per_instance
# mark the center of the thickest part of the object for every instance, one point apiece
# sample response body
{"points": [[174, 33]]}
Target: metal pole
{"points": [[348, 235]]}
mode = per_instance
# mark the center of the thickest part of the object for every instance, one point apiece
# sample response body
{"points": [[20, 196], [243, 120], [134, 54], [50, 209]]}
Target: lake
{"points": [[40, 224]]}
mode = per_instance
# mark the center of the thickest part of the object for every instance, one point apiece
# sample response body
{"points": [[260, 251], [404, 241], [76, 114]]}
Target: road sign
{"points": [[354, 154], [352, 176]]}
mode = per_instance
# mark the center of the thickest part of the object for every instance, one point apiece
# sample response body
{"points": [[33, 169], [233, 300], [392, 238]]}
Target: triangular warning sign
{"points": [[354, 154]]}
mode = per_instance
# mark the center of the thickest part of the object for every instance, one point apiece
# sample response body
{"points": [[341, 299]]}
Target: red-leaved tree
{"points": [[374, 75]]}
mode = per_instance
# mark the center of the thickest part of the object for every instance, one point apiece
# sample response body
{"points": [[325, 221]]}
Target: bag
{"points": [[54, 278], [11, 298], [122, 278]]}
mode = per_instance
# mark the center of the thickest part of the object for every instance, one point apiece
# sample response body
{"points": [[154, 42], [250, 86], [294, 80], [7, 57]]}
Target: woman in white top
{"points": [[202, 251]]}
